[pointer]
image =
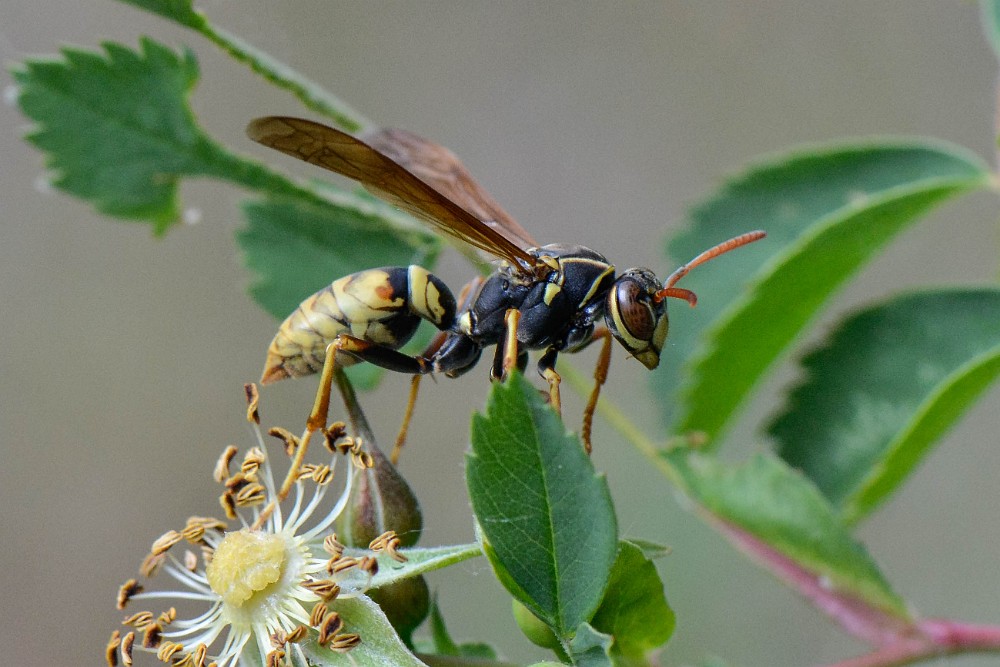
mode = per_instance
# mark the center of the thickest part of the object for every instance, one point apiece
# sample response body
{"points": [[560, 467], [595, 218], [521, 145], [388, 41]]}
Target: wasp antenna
{"points": [[711, 253], [677, 293]]}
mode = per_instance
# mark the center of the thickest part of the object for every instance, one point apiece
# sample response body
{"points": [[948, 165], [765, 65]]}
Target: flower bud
{"points": [[382, 501]]}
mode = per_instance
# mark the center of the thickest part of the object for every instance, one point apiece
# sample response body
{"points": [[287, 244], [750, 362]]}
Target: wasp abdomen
{"points": [[382, 306]]}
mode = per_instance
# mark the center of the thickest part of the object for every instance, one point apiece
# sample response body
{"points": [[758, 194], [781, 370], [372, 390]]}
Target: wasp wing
{"points": [[441, 169], [395, 183]]}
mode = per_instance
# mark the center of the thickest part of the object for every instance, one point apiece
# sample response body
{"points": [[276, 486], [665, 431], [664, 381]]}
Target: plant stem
{"points": [[929, 639]]}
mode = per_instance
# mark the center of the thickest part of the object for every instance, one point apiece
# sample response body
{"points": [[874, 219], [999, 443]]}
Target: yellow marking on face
{"points": [[551, 291], [626, 337], [660, 333]]}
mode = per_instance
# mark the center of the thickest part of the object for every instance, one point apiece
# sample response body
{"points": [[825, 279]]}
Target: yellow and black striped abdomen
{"points": [[382, 306]]}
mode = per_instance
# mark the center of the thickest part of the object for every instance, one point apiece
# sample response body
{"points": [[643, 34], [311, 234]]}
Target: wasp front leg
{"points": [[547, 369], [509, 355]]}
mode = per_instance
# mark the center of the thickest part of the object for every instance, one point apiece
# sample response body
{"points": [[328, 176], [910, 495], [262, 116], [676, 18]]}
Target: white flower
{"points": [[269, 582]]}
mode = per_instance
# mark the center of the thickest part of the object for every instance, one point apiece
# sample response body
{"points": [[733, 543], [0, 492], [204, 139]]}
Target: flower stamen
{"points": [[265, 590]]}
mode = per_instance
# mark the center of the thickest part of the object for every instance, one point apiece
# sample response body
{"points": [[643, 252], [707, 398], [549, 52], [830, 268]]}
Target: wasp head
{"points": [[636, 316]]}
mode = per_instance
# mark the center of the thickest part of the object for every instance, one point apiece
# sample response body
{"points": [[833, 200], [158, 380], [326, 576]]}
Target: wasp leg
{"points": [[547, 369], [404, 427], [600, 376], [465, 298], [317, 418], [507, 354]]}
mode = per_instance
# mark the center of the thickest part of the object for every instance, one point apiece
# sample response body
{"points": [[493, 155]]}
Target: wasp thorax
{"points": [[635, 317]]}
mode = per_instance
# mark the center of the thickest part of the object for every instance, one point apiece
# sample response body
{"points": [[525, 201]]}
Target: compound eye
{"points": [[634, 310]]}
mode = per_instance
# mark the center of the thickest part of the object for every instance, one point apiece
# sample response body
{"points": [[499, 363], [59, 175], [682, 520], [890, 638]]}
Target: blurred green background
{"points": [[123, 357]]}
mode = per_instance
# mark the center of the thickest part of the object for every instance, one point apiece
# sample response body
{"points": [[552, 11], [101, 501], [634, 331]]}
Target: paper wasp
{"points": [[547, 298]]}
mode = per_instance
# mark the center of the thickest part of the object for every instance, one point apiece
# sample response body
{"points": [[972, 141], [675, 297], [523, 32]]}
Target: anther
{"points": [[345, 642], [152, 636], [252, 494], [298, 634], [326, 589], [346, 445], [343, 564], [333, 433], [228, 505], [322, 474], [388, 542], [165, 541], [151, 564], [139, 620], [275, 658], [237, 482], [252, 461], [167, 650], [319, 612], [333, 546], [126, 591], [328, 629], [221, 472], [198, 657], [127, 642], [111, 649], [253, 403], [363, 460], [368, 565], [190, 561], [290, 439]]}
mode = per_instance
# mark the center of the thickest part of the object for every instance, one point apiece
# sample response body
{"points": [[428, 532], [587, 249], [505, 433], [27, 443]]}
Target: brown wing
{"points": [[441, 169], [341, 153]]}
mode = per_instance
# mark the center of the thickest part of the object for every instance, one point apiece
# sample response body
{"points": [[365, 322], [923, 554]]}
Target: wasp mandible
{"points": [[550, 297]]}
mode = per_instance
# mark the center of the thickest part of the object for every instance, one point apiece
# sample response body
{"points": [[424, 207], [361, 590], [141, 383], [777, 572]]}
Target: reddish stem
{"points": [[898, 640]]}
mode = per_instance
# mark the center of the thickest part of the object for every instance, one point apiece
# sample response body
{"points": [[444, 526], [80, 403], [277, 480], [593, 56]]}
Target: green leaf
{"points": [[118, 131], [650, 549], [116, 127], [421, 561], [827, 210], [884, 387], [634, 610], [782, 509], [443, 644], [590, 648], [990, 12], [180, 11], [380, 646], [547, 516]]}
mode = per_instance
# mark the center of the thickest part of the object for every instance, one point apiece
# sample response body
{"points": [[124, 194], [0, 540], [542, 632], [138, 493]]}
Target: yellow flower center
{"points": [[245, 563]]}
